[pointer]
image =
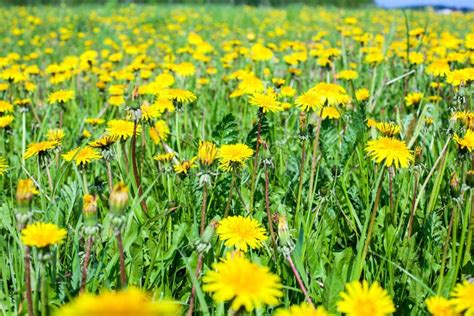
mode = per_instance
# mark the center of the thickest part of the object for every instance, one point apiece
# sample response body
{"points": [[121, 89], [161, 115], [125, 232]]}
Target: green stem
{"points": [[44, 291], [231, 190], [255, 160], [314, 161], [367, 231], [445, 251]]}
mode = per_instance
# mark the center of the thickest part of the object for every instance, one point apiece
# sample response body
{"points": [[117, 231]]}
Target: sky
{"points": [[448, 3]]}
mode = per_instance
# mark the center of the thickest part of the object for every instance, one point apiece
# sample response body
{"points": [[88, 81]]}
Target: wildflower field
{"points": [[232, 160]]}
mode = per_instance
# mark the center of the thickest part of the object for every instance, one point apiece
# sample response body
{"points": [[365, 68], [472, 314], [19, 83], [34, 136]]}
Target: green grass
{"points": [[328, 230]]}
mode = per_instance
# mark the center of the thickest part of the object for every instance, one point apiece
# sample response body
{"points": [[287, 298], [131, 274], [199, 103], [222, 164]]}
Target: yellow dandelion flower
{"points": [[185, 69], [330, 112], [439, 306], [390, 150], [149, 112], [23, 102], [466, 142], [413, 99], [3, 166], [103, 142], [117, 89], [116, 100], [360, 299], [5, 107], [323, 94], [82, 156], [241, 232], [42, 235], [163, 104], [302, 309], [438, 68], [463, 298], [362, 94], [371, 123], [178, 95], [287, 91], [40, 148], [266, 101], [61, 96], [94, 121], [164, 157], [5, 121], [233, 155], [207, 152], [466, 117], [185, 166], [347, 75], [129, 301], [388, 129], [25, 190], [159, 132], [459, 76], [258, 52], [122, 129], [55, 134], [309, 101], [244, 283]]}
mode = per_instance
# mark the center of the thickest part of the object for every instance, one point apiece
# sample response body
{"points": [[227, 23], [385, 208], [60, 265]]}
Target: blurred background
{"points": [[437, 4]]}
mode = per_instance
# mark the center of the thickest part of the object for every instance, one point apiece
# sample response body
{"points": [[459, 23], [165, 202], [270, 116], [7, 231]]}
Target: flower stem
{"points": [[50, 179], [255, 161], [372, 219], [300, 185], [445, 250], [269, 212], [135, 167], [200, 257], [28, 280], [44, 291], [23, 136], [412, 208], [203, 208], [314, 161], [231, 190], [298, 279], [109, 175], [123, 275], [86, 263]]}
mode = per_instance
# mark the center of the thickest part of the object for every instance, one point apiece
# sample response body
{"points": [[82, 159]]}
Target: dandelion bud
{"points": [[118, 198], [207, 152], [203, 244], [25, 191], [470, 178], [302, 120], [454, 184], [286, 244], [89, 209], [418, 153]]}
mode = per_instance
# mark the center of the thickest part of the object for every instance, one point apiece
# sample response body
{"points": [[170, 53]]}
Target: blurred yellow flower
{"points": [[246, 284], [362, 299], [42, 235], [129, 301]]}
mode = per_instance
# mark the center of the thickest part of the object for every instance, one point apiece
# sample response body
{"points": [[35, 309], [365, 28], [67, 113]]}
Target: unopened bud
{"points": [[89, 209], [25, 191], [454, 184], [118, 198], [470, 178], [286, 244]]}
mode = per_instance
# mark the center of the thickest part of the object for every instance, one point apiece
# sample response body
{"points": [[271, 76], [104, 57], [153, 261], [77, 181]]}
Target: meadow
{"points": [[235, 160]]}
